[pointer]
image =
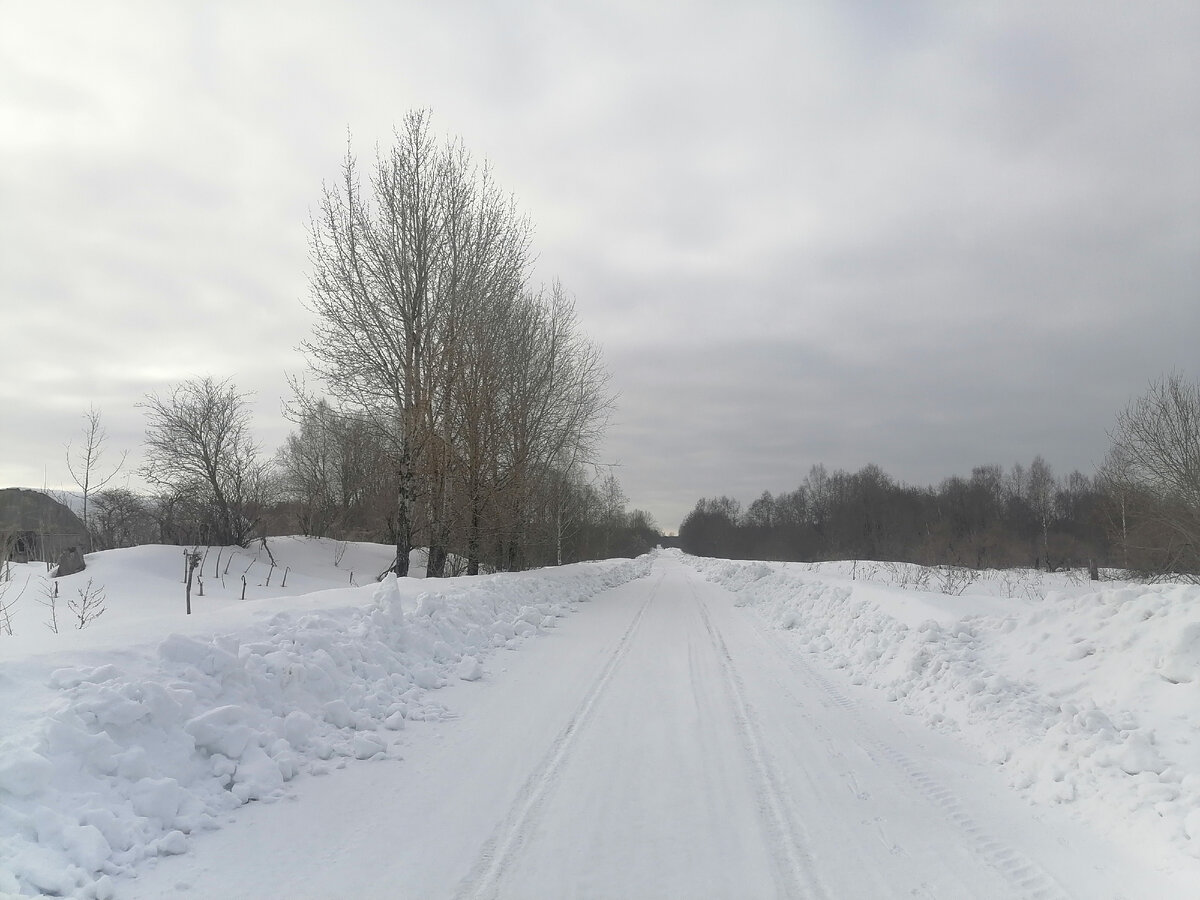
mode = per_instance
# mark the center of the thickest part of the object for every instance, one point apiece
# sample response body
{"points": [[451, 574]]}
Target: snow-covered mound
{"points": [[119, 740], [1084, 696]]}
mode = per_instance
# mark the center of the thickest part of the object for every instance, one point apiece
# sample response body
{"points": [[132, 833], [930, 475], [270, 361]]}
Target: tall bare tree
{"points": [[426, 329], [387, 278], [424, 323]]}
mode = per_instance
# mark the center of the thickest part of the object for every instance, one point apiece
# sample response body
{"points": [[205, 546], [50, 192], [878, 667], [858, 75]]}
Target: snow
{"points": [[1084, 693], [121, 740], [701, 728]]}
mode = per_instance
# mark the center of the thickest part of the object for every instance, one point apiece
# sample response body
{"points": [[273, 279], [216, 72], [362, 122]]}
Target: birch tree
{"points": [[397, 265]]}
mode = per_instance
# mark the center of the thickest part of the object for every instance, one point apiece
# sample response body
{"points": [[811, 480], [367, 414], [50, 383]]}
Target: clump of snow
{"points": [[24, 772], [119, 750], [1085, 693], [470, 669]]}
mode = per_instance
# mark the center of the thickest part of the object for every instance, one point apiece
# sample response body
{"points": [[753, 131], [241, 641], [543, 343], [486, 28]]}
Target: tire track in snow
{"points": [[799, 879], [1027, 878], [502, 848]]}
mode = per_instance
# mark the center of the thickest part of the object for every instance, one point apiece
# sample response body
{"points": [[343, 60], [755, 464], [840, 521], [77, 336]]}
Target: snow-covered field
{"points": [[701, 728]]}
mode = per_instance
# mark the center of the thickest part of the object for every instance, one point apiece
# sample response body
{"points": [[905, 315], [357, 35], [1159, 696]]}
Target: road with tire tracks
{"points": [[661, 742]]}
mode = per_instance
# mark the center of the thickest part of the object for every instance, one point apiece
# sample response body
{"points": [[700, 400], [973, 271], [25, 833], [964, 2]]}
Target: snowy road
{"points": [[660, 743]]}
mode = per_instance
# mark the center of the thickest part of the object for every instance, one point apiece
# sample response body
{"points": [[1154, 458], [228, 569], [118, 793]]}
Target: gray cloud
{"points": [[923, 236]]}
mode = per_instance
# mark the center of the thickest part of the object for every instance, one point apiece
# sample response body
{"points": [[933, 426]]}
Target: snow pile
{"points": [[127, 754], [1083, 696]]}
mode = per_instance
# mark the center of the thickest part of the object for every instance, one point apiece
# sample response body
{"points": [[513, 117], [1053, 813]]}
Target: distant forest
{"points": [[994, 519], [1140, 512]]}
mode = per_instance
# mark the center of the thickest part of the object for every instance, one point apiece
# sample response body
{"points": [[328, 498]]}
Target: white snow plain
{"points": [[717, 729]]}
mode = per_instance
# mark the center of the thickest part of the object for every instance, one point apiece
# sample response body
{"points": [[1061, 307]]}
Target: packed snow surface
{"points": [[700, 728]]}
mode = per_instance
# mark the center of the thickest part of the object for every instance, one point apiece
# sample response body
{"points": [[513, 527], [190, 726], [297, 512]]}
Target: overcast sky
{"points": [[924, 235]]}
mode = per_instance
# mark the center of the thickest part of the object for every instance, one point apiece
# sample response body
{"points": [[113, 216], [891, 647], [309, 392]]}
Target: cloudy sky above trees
{"points": [[924, 235]]}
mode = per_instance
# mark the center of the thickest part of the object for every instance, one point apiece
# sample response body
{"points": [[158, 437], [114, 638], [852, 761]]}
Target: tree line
{"points": [[994, 518], [212, 484], [458, 407], [1139, 512]]}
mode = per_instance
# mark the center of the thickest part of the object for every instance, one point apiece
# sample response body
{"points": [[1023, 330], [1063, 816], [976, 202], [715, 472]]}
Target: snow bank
{"points": [[1084, 697], [140, 747]]}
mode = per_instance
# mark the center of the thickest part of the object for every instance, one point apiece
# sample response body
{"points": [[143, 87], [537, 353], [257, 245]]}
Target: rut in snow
{"points": [[787, 837], [504, 846], [1026, 878]]}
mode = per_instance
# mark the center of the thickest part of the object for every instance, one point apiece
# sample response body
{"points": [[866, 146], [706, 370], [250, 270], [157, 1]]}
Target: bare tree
{"points": [[556, 409], [475, 419], [121, 518], [571, 502], [371, 289], [7, 603], [198, 443], [1041, 488], [396, 269], [83, 461], [308, 468], [88, 604], [1153, 467], [426, 330], [49, 599], [334, 470], [612, 512]]}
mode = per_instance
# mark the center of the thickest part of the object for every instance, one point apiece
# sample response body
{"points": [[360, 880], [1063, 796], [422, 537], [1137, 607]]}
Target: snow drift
{"points": [[118, 753], [1086, 697]]}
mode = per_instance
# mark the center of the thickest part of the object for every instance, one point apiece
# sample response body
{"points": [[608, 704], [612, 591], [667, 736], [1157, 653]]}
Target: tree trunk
{"points": [[473, 541], [558, 533], [436, 567], [439, 530], [403, 517], [403, 548]]}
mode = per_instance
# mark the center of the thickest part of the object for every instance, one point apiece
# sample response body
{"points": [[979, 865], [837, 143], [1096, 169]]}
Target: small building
{"points": [[36, 527]]}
